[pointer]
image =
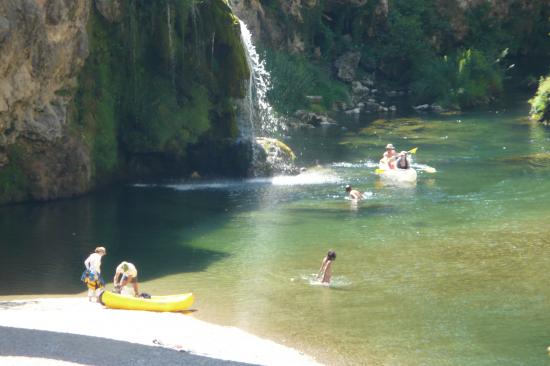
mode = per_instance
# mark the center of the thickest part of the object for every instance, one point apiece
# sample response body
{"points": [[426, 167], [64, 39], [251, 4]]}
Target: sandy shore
{"points": [[168, 330]]}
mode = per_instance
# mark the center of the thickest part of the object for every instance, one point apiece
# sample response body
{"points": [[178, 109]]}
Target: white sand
{"points": [[78, 316]]}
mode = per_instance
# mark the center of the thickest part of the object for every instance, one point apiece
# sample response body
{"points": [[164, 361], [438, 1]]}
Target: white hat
{"points": [[389, 146]]}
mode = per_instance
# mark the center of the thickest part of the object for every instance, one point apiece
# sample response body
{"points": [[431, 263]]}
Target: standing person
{"points": [[389, 156], [325, 273], [402, 162], [353, 193], [126, 273], [92, 274]]}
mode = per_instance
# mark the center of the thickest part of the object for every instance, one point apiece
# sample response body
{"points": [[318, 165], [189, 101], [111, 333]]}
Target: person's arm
{"points": [[115, 279], [87, 263]]}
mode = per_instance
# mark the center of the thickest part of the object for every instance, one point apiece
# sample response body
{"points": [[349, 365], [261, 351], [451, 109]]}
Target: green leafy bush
{"points": [[466, 79], [540, 103], [294, 77]]}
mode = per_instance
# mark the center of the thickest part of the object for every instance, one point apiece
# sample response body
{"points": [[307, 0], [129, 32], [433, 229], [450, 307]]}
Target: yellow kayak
{"points": [[155, 303]]}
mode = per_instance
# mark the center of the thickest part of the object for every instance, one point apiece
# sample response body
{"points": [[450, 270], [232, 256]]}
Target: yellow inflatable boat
{"points": [[155, 303]]}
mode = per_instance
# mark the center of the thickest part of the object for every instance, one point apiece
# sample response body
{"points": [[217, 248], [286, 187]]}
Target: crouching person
{"points": [[126, 273]]}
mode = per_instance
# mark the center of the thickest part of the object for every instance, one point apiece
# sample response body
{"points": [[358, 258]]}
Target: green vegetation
{"points": [[441, 51], [467, 79], [158, 81], [95, 100], [540, 103], [294, 78]]}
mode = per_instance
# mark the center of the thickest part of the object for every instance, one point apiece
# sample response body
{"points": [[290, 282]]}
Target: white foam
{"points": [[306, 178]]}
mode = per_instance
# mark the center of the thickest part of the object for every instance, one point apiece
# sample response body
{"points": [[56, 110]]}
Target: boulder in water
{"points": [[273, 157]]}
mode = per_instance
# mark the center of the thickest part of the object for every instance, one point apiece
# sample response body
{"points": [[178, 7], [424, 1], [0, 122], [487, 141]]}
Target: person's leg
{"points": [[136, 288]]}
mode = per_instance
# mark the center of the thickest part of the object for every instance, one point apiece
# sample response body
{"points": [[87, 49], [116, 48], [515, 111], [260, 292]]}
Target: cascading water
{"points": [[257, 120], [257, 117]]}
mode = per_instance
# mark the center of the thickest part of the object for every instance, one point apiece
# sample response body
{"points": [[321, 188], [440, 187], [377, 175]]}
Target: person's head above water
{"points": [[100, 250], [331, 255], [389, 147], [348, 188], [403, 153]]}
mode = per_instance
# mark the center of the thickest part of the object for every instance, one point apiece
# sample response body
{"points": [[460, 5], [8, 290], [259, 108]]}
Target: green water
{"points": [[452, 271]]}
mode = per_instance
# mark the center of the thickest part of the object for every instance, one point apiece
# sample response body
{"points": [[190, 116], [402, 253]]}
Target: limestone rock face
{"points": [[43, 45], [110, 9]]}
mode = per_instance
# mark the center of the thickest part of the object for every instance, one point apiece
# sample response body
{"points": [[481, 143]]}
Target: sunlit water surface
{"points": [[452, 271]]}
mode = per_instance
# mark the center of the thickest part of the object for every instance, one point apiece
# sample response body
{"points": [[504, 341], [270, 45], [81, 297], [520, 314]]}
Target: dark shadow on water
{"points": [[44, 245]]}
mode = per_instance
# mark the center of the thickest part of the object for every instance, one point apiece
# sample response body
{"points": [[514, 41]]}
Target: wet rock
{"points": [[312, 118], [340, 106], [358, 88], [346, 65], [275, 157], [437, 108], [422, 108], [372, 106], [354, 111], [368, 80]]}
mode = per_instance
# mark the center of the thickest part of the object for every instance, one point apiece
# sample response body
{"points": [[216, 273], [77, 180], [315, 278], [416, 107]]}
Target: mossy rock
{"points": [[536, 160], [276, 157]]}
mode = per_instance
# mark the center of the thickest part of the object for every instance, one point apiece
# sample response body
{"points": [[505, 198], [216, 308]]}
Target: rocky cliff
{"points": [[95, 91], [454, 52]]}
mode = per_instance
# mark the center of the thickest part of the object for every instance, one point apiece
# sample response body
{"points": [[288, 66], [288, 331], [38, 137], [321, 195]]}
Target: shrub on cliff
{"points": [[294, 77], [540, 103], [466, 79]]}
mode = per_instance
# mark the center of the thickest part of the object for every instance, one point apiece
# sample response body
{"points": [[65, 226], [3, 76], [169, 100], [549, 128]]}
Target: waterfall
{"points": [[171, 43], [257, 119], [257, 115]]}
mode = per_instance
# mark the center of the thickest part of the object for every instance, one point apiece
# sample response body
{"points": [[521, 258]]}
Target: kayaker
{"points": [[325, 273], [402, 162], [126, 273], [92, 274], [353, 193], [388, 157]]}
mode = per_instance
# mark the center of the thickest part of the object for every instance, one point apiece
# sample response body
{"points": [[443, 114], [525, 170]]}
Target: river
{"points": [[451, 271]]}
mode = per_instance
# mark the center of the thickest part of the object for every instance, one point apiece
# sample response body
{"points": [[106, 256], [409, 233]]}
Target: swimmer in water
{"points": [[325, 272], [353, 193]]}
